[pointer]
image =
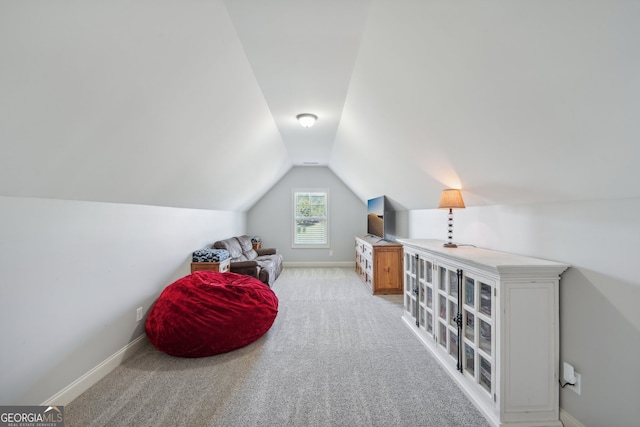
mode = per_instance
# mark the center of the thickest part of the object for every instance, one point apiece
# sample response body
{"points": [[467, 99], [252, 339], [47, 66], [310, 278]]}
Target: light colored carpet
{"points": [[335, 356]]}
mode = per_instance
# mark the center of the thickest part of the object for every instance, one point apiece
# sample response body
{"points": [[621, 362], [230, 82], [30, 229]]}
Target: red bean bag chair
{"points": [[207, 313]]}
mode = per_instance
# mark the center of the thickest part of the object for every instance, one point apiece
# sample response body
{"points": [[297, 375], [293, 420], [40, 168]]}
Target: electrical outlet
{"points": [[578, 383], [139, 314], [568, 373], [330, 253]]}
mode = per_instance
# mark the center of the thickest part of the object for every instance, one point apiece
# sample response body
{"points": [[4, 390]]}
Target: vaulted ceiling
{"points": [[192, 103]]}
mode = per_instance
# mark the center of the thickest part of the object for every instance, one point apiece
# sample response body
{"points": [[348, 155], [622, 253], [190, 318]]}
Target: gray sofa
{"points": [[263, 264]]}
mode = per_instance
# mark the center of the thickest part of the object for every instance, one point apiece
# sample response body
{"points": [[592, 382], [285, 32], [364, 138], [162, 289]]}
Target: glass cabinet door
{"points": [[426, 294], [470, 301], [419, 288], [478, 320], [457, 309], [409, 284], [448, 310]]}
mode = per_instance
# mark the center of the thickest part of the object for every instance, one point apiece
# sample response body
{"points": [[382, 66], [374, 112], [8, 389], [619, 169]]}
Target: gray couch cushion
{"points": [[247, 247], [265, 262], [233, 246], [271, 265]]}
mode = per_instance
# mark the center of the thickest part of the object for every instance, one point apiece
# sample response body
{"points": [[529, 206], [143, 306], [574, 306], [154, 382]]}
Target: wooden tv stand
{"points": [[379, 264]]}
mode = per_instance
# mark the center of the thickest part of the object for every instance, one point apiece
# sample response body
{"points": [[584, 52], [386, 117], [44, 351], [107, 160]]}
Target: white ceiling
{"points": [[302, 54], [193, 103]]}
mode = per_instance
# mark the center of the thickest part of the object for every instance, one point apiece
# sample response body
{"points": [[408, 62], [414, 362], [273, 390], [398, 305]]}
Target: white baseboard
{"points": [[82, 384], [568, 420], [349, 264]]}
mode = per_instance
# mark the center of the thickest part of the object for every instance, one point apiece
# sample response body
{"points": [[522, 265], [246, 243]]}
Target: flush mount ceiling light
{"points": [[306, 119]]}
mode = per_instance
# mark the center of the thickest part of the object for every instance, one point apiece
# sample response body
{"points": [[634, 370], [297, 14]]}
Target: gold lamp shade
{"points": [[451, 199]]}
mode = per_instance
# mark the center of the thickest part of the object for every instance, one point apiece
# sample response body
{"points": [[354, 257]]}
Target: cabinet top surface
{"points": [[494, 260], [377, 241]]}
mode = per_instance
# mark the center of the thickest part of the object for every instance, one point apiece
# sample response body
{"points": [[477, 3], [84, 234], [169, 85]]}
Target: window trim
{"points": [[295, 245]]}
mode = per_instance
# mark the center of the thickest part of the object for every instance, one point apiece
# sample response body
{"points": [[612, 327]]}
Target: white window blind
{"points": [[311, 219]]}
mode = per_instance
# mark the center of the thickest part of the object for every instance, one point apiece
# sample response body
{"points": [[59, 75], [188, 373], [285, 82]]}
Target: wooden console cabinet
{"points": [[491, 319], [379, 265]]}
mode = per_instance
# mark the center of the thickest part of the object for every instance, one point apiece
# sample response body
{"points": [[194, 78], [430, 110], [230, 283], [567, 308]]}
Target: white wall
{"points": [[599, 294], [72, 275], [271, 217]]}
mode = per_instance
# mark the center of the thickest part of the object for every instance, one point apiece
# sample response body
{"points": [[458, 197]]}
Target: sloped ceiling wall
{"points": [[175, 103], [134, 102], [515, 102]]}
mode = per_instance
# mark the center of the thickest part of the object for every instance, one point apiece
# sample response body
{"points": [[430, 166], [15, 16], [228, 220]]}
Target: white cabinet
{"points": [[491, 319]]}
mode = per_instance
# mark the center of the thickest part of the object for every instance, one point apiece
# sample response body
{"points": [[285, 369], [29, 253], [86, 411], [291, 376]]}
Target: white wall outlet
{"points": [[139, 314], [330, 253], [577, 382], [568, 373]]}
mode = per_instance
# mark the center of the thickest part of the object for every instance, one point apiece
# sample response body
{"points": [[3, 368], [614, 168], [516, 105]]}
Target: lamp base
{"points": [[450, 245]]}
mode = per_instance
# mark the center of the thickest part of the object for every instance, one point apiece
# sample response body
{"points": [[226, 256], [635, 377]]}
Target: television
{"points": [[381, 219]]}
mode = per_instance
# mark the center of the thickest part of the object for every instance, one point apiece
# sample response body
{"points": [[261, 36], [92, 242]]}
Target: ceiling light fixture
{"points": [[306, 119]]}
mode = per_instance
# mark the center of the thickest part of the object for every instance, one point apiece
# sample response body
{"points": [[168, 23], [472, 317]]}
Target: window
{"points": [[311, 219]]}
